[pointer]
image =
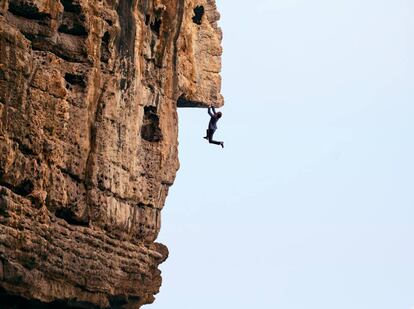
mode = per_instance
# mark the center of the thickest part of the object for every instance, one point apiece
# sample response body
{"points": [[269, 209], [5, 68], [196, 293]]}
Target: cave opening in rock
{"points": [[156, 25], [69, 216], [75, 79], [198, 14], [150, 130], [24, 188], [24, 146], [105, 52], [71, 6], [27, 10], [72, 24], [72, 21]]}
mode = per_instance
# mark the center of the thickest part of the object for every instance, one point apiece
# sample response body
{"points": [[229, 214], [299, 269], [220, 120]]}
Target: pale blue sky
{"points": [[311, 203]]}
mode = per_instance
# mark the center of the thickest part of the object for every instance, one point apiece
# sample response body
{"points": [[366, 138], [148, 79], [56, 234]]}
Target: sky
{"points": [[310, 205]]}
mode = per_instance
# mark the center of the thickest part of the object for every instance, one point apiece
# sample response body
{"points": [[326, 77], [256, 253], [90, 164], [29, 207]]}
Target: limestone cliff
{"points": [[89, 91]]}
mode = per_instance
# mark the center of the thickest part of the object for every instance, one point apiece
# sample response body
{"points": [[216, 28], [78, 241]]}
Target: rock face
{"points": [[89, 91]]}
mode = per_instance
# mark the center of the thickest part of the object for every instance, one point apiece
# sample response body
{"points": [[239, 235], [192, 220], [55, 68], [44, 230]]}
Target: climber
{"points": [[212, 126]]}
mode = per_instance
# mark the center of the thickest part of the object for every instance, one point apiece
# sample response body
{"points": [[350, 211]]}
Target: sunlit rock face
{"points": [[89, 91]]}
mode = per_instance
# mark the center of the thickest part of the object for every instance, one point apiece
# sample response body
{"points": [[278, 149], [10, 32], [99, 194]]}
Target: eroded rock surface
{"points": [[89, 91]]}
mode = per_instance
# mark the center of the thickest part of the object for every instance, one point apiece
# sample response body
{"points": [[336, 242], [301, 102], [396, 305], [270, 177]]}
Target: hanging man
{"points": [[212, 126]]}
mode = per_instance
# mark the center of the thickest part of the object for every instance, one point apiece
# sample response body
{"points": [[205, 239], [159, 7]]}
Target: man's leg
{"points": [[210, 134]]}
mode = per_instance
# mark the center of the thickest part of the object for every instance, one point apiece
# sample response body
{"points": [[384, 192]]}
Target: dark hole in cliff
{"points": [[73, 28], [123, 84], [156, 25], [71, 6], [68, 215], [24, 188], [105, 53], [147, 19], [73, 21], [23, 147], [150, 130], [26, 150], [27, 10], [198, 14], [75, 79]]}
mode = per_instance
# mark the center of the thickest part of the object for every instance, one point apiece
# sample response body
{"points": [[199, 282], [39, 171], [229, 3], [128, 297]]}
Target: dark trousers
{"points": [[209, 136]]}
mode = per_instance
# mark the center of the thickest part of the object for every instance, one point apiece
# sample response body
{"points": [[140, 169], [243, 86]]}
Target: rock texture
{"points": [[89, 91]]}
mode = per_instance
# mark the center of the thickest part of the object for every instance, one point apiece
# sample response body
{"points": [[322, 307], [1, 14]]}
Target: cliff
{"points": [[89, 91]]}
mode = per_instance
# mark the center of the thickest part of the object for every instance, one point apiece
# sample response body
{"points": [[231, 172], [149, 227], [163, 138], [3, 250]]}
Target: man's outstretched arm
{"points": [[209, 111]]}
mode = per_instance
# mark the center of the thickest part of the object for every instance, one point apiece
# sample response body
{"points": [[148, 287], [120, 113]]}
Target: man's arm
{"points": [[209, 111], [214, 110]]}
